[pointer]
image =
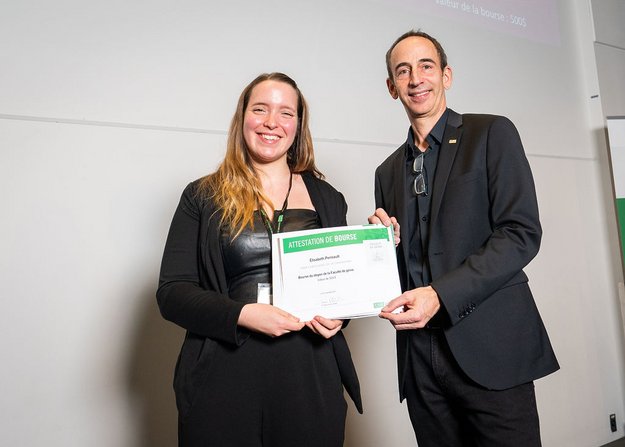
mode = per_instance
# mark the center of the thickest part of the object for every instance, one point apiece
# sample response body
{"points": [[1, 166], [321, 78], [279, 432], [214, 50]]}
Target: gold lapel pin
{"points": [[452, 141]]}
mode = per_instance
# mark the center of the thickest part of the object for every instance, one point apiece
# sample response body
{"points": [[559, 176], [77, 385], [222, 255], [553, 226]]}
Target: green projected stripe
{"points": [[620, 209], [333, 239]]}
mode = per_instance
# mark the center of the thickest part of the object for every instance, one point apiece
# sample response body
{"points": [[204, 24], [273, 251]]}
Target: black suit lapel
{"points": [[449, 148], [399, 185]]}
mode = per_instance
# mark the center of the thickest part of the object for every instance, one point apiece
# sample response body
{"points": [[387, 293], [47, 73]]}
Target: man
{"points": [[470, 340]]}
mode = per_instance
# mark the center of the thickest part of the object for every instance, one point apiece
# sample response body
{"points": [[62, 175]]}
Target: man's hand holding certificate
{"points": [[338, 273]]}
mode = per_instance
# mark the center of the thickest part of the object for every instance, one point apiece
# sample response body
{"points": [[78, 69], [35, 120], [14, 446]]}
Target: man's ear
{"points": [[391, 88], [447, 77]]}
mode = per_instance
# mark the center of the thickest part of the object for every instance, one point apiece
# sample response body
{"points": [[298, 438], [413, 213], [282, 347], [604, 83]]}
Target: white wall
{"points": [[610, 53], [107, 109]]}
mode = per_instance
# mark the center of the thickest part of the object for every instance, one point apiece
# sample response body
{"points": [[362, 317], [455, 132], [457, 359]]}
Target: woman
{"points": [[251, 374]]}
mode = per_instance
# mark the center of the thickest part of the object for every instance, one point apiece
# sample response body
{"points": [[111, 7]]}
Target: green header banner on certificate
{"points": [[333, 239]]}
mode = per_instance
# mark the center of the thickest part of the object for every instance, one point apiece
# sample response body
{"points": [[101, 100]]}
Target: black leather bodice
{"points": [[247, 259]]}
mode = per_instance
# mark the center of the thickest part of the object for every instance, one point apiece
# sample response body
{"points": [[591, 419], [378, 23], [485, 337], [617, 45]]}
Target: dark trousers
{"points": [[447, 409]]}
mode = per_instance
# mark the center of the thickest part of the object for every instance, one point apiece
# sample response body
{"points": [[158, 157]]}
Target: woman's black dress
{"points": [[270, 392]]}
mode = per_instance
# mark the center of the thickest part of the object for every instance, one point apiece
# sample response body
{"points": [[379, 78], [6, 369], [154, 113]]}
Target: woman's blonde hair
{"points": [[235, 187]]}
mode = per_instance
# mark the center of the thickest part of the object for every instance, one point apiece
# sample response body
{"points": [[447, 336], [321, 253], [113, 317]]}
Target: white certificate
{"points": [[338, 273]]}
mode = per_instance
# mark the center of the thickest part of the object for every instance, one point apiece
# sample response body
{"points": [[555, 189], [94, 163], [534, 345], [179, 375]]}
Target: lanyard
{"points": [[280, 218]]}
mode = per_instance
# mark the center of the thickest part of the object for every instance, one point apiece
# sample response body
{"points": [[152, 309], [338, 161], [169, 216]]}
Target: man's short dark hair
{"points": [[418, 33]]}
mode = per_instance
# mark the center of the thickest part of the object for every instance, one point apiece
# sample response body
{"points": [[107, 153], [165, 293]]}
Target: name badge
{"points": [[264, 293]]}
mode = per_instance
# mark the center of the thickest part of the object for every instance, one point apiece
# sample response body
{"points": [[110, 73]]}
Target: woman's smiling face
{"points": [[270, 121]]}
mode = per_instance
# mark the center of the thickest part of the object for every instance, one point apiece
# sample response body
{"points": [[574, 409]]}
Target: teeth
{"points": [[270, 137]]}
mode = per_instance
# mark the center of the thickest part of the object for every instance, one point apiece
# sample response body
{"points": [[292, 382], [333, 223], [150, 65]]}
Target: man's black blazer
{"points": [[484, 229]]}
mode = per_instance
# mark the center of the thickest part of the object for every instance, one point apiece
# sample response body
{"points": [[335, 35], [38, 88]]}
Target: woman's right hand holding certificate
{"points": [[268, 320]]}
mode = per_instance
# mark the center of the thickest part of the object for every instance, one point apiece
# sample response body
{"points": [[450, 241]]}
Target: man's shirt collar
{"points": [[435, 137]]}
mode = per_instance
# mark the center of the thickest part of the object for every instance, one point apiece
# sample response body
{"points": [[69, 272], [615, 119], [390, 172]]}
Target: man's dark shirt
{"points": [[418, 207]]}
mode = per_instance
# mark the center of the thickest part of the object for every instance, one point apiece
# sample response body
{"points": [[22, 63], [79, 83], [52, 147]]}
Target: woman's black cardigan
{"points": [[193, 290]]}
